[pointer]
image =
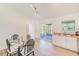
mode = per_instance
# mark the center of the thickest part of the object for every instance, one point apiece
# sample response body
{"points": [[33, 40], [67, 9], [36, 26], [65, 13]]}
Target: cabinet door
{"points": [[63, 41], [60, 41], [71, 43]]}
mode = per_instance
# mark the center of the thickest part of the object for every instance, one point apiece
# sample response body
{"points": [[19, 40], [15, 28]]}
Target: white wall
{"points": [[11, 22]]}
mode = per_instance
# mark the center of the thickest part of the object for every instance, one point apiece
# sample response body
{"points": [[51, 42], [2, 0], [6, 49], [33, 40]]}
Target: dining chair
{"points": [[9, 52], [28, 48]]}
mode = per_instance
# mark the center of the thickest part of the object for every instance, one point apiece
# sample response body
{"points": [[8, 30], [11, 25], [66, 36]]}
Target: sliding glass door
{"points": [[46, 32]]}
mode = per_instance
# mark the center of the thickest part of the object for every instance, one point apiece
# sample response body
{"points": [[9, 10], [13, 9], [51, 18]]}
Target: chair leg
{"points": [[24, 50], [33, 53], [10, 55], [7, 53], [19, 54]]}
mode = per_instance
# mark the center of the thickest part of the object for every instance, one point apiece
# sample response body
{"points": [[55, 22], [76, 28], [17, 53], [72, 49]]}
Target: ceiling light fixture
{"points": [[34, 8]]}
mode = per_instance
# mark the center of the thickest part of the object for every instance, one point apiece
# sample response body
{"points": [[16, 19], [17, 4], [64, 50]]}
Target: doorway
{"points": [[46, 32]]}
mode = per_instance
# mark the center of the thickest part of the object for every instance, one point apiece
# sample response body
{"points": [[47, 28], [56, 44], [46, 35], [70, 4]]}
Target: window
{"points": [[69, 26]]}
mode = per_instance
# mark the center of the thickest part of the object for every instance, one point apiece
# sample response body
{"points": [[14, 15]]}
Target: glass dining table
{"points": [[14, 47]]}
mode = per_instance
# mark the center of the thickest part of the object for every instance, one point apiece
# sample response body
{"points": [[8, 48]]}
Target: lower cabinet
{"points": [[71, 43], [66, 42]]}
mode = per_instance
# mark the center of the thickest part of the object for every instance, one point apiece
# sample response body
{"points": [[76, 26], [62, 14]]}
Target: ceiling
{"points": [[45, 10]]}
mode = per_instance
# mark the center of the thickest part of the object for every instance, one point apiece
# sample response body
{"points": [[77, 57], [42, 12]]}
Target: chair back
{"points": [[15, 36], [30, 45], [28, 37], [8, 44]]}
